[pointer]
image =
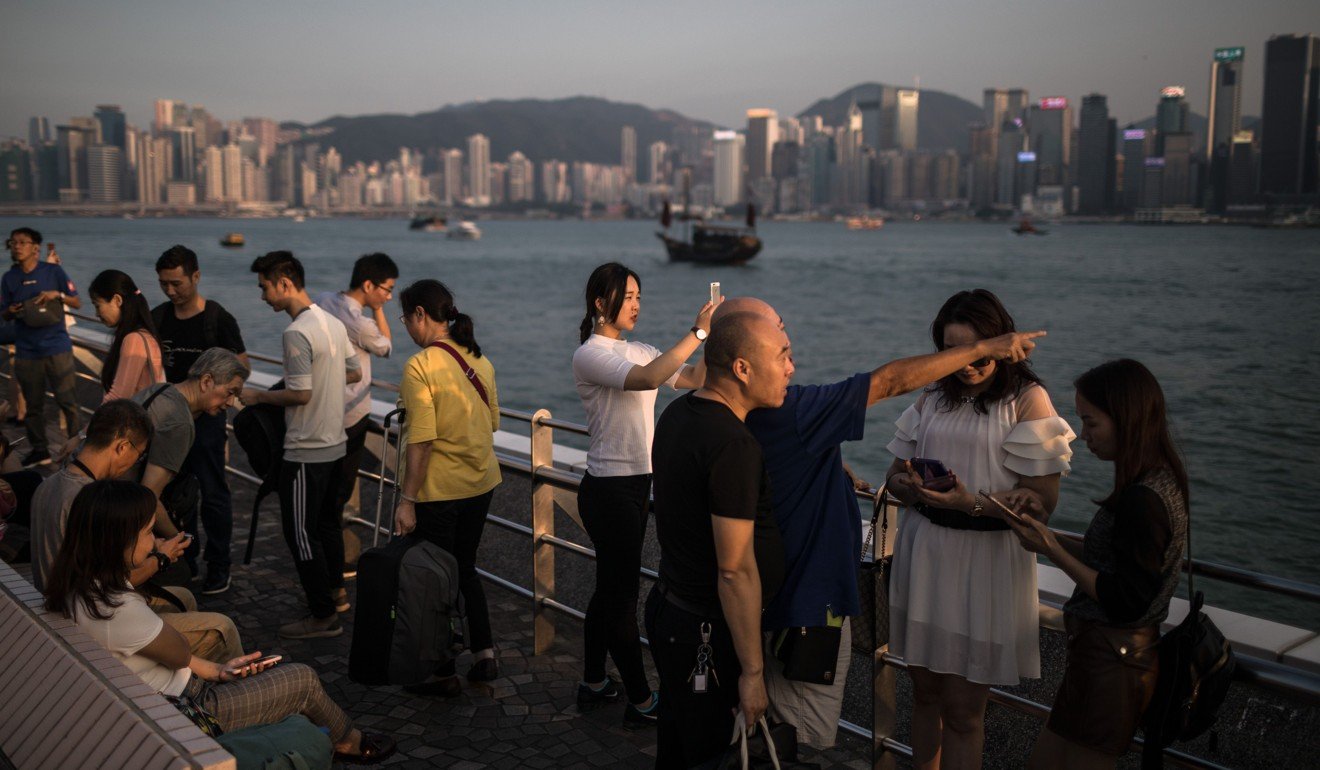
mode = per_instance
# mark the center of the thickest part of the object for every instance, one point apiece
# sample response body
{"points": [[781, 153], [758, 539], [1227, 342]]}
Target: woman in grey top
{"points": [[1126, 569]]}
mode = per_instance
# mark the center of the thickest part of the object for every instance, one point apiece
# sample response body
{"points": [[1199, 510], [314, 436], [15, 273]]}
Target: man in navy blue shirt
{"points": [[816, 508], [34, 294]]}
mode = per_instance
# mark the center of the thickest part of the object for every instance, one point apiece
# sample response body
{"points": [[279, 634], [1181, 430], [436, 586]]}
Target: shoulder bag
{"points": [[468, 371], [870, 629]]}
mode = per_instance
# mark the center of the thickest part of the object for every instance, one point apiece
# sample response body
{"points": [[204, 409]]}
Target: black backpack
{"points": [[1196, 670], [259, 430], [407, 611]]}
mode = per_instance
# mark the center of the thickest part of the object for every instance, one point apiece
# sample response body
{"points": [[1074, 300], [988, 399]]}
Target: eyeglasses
{"points": [[13, 244]]}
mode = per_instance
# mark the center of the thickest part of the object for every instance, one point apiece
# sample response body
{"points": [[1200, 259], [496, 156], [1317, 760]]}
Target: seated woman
{"points": [[108, 534], [1126, 569], [134, 361]]}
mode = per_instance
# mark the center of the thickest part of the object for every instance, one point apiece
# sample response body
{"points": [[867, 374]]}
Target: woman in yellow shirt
{"points": [[451, 472]]}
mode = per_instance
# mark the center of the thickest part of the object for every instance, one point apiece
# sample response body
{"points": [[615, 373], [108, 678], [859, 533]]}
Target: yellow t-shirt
{"points": [[445, 410]]}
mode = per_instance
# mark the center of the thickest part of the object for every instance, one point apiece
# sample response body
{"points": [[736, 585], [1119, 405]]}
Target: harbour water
{"points": [[1227, 318]]}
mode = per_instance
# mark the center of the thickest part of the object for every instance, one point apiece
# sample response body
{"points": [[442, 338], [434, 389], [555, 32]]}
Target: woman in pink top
{"points": [[134, 359]]}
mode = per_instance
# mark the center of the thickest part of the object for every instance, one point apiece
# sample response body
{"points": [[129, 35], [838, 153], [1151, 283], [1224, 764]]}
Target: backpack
{"points": [[407, 608], [290, 744], [259, 430]]}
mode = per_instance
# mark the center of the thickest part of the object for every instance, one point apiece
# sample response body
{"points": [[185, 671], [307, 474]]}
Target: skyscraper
{"points": [[658, 165], [164, 116], [452, 161], [112, 123], [266, 132], [728, 168], [231, 158], [1136, 148], [1012, 142], [628, 152], [522, 178], [762, 133], [15, 172], [38, 132], [1224, 121], [879, 110], [213, 175], [479, 169], [906, 119], [1290, 113], [1095, 156], [103, 167], [1051, 140], [73, 141], [184, 140], [1170, 115]]}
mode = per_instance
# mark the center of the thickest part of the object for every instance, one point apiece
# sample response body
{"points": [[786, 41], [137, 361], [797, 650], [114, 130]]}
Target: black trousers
{"points": [[348, 467], [614, 510], [312, 530], [456, 525], [206, 461], [694, 728]]}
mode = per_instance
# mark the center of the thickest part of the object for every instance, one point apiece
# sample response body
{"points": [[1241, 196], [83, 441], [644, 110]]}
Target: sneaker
{"points": [[375, 748], [217, 582], [341, 600], [312, 628], [589, 698], [36, 457], [484, 670], [636, 719], [447, 687]]}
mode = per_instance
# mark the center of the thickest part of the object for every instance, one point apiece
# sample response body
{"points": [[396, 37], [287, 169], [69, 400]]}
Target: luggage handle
{"points": [[384, 463]]}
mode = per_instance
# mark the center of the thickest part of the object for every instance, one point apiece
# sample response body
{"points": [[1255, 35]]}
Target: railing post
{"points": [[885, 677], [543, 523]]}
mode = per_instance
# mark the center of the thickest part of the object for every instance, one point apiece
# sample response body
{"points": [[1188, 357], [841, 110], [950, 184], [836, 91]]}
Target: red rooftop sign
{"points": [[1054, 103]]}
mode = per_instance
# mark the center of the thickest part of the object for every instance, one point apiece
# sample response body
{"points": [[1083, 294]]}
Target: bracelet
{"points": [[977, 506], [163, 562], [408, 499]]}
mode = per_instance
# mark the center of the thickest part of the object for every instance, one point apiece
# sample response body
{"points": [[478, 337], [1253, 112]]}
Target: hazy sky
{"points": [[713, 60]]}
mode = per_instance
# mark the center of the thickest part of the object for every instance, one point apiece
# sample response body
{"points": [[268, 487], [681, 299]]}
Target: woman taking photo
{"points": [[108, 535], [133, 362], [963, 604], [617, 381], [1126, 569], [451, 472]]}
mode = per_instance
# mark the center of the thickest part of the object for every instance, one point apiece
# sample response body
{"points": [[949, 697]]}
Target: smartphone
{"points": [[1009, 512], [934, 476], [715, 292], [257, 665], [270, 660]]}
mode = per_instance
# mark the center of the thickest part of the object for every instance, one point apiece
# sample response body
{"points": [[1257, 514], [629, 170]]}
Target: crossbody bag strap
{"points": [[468, 371], [147, 404], [146, 342]]}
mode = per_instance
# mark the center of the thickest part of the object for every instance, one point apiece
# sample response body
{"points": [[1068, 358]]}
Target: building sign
{"points": [[1054, 103], [725, 136], [1230, 54], [1154, 162], [1134, 134], [1173, 92], [1026, 157]]}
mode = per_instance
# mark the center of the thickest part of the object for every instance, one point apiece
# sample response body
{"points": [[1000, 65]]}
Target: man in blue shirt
{"points": [[34, 294], [816, 508]]}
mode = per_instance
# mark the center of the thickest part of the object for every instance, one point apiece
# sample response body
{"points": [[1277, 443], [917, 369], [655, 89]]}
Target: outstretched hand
{"points": [[705, 314], [1035, 536], [1012, 347]]}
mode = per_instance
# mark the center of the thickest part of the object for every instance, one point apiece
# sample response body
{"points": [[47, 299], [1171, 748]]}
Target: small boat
{"points": [[233, 240], [431, 224], [1026, 228], [865, 223], [465, 231], [711, 244]]}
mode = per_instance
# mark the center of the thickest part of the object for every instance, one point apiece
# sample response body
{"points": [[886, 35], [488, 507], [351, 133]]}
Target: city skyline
{"points": [[133, 53]]}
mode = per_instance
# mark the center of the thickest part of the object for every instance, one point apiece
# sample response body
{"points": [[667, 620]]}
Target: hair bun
{"points": [[452, 315]]}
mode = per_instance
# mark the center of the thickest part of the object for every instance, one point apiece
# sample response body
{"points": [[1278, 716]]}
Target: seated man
{"points": [[117, 435]]}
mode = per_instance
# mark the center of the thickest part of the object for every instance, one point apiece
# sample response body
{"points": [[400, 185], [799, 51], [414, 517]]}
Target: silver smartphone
{"points": [[1009, 512], [714, 292]]}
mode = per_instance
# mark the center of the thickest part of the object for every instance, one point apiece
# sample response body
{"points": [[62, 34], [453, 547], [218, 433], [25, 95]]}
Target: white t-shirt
{"points": [[621, 422], [367, 341], [131, 627], [317, 354]]}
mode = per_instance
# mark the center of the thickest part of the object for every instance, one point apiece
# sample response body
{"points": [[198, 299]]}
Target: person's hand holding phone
{"points": [[1024, 502], [173, 547], [703, 316], [51, 256], [245, 666], [955, 497]]}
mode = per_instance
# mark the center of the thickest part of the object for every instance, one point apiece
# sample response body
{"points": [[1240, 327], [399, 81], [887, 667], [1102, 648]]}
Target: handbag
{"points": [[773, 746], [809, 653], [870, 629], [35, 315], [1196, 670], [189, 707]]}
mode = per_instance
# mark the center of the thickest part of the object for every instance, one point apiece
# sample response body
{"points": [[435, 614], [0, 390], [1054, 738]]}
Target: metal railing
{"points": [[538, 466]]}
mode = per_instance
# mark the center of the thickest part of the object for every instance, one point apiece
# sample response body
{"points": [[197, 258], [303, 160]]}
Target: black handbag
{"points": [[809, 653], [870, 629], [1196, 670]]}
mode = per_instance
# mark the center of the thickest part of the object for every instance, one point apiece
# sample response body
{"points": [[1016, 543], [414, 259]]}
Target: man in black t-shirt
{"points": [[721, 559], [187, 325]]}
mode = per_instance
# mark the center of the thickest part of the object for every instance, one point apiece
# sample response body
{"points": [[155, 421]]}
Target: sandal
{"points": [[373, 749]]}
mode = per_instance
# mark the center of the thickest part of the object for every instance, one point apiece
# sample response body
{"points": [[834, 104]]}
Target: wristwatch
{"points": [[163, 562], [977, 506], [700, 332]]}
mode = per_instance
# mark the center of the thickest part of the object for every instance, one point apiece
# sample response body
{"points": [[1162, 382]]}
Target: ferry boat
{"points": [[465, 231], [431, 224], [1025, 227], [865, 223], [711, 244], [233, 240]]}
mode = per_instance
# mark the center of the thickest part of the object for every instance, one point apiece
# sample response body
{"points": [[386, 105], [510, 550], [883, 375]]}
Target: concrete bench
{"points": [[66, 702]]}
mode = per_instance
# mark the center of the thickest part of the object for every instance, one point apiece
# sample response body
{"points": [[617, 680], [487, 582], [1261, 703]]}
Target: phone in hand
{"points": [[934, 476], [256, 666], [1009, 512], [715, 292]]}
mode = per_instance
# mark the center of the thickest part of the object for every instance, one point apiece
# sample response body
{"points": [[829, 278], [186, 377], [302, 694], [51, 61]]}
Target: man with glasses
{"points": [[187, 325], [369, 288], [118, 435], [34, 294]]}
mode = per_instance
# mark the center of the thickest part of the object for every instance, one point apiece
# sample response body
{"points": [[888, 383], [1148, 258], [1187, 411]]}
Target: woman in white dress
{"points": [[963, 602]]}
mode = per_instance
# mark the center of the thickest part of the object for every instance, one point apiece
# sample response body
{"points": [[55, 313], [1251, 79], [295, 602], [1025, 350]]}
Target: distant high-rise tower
{"points": [[658, 164], [103, 173], [266, 132], [1225, 113], [1051, 140], [1170, 115], [231, 158], [73, 141], [479, 170], [185, 153], [762, 133], [879, 109], [38, 132], [1137, 146], [908, 102], [452, 162], [164, 116], [1290, 112], [1095, 156], [728, 168], [628, 153], [113, 124]]}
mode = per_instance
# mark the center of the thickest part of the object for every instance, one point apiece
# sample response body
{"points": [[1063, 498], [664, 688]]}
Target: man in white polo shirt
{"points": [[318, 363]]}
